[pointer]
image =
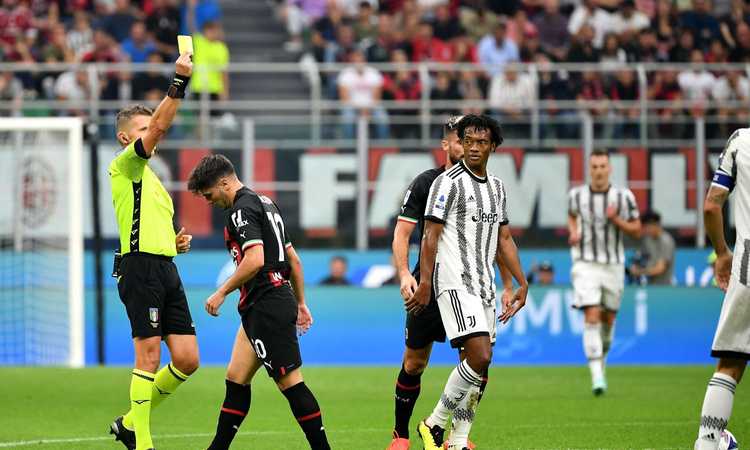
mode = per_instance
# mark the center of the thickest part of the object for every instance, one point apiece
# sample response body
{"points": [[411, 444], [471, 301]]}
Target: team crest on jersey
{"points": [[153, 316]]}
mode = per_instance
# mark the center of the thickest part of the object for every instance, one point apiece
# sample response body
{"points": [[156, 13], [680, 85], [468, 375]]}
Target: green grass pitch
{"points": [[524, 407]]}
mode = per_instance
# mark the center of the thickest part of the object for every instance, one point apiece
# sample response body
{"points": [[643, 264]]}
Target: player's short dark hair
{"points": [[208, 172], [451, 125], [600, 152], [481, 122], [651, 216], [127, 113]]}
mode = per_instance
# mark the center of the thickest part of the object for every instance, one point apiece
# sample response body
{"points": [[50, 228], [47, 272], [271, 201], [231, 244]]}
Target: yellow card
{"points": [[184, 44]]}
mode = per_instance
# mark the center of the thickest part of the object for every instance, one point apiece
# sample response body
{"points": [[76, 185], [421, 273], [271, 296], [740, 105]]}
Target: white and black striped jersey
{"points": [[472, 210], [733, 174], [601, 240]]}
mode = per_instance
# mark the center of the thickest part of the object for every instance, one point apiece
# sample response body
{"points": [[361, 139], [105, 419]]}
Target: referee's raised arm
{"points": [[165, 112]]}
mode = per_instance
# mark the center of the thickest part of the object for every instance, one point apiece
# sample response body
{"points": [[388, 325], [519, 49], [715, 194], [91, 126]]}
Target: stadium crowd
{"points": [[493, 34], [105, 31]]}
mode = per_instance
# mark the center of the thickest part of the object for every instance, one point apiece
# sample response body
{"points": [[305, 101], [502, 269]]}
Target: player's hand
{"points": [[506, 298], [214, 302], [408, 286], [574, 238], [723, 270], [421, 298], [182, 241], [184, 65], [304, 319], [513, 304], [611, 212]]}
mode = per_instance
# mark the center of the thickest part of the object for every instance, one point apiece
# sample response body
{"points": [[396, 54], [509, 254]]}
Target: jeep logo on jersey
{"points": [[482, 216]]}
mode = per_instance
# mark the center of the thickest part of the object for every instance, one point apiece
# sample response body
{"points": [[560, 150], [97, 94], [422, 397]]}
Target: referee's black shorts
{"points": [[152, 292]]}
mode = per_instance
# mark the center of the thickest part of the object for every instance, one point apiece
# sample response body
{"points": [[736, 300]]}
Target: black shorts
{"points": [[271, 325], [152, 292], [425, 328]]}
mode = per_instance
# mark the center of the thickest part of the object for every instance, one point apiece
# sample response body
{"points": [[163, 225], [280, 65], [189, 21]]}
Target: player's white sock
{"points": [[593, 349], [717, 408], [460, 381], [463, 418]]}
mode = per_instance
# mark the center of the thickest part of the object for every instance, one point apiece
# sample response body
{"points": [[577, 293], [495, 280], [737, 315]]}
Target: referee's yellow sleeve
{"points": [[132, 160]]}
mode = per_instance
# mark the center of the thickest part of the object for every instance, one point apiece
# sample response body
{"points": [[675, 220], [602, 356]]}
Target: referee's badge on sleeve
{"points": [[153, 315]]}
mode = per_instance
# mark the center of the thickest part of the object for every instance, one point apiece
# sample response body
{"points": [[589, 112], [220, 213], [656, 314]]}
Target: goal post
{"points": [[41, 242]]}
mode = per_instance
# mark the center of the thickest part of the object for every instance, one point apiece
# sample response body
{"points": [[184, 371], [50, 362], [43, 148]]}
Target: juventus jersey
{"points": [[732, 175], [472, 209], [255, 220], [601, 241]]}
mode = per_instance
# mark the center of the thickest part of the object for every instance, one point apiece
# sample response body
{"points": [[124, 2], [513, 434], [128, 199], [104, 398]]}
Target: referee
{"points": [[147, 279]]}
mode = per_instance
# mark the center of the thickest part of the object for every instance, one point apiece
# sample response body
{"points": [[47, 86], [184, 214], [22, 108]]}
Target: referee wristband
{"points": [[178, 86]]}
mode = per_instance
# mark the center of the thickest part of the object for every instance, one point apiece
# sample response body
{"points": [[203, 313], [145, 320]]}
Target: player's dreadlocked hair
{"points": [[208, 172], [481, 122], [127, 113]]}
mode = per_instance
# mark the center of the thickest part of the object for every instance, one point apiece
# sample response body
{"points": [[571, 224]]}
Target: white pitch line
{"points": [[45, 441]]}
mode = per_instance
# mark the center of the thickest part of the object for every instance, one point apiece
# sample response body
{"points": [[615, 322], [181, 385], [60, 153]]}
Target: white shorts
{"points": [[732, 339], [598, 284], [465, 315]]}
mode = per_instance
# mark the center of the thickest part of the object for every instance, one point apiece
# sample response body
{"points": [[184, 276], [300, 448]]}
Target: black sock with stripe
{"points": [[407, 392], [233, 412], [307, 412]]}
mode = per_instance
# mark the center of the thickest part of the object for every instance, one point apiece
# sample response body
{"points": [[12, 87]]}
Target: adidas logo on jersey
{"points": [[470, 199], [482, 216]]}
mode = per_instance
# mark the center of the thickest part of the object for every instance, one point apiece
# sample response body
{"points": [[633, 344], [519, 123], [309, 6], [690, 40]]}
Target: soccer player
{"points": [[731, 344], [599, 214], [148, 282], [271, 309], [425, 328], [465, 233]]}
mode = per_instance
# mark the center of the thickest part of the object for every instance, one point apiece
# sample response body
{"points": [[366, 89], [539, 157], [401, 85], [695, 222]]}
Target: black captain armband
{"points": [[178, 86]]}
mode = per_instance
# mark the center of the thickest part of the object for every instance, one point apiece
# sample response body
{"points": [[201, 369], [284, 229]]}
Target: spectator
{"points": [[729, 23], [697, 82], [379, 50], [530, 47], [139, 45], [556, 86], [657, 250], [81, 36], [553, 30], [495, 50], [344, 44], [685, 46], [337, 273], [629, 21], [426, 47], [57, 49], [328, 25], [74, 86], [511, 96], [646, 49], [592, 95], [478, 22], [195, 13], [666, 22], [298, 15], [210, 59], [464, 50], [542, 274], [446, 26], [402, 85], [625, 89], [717, 53], [11, 92], [520, 27], [351, 7], [704, 25], [15, 20], [145, 82], [119, 22], [612, 55], [588, 13], [583, 50], [360, 91], [741, 52], [444, 88], [366, 25], [665, 88], [105, 50], [163, 25], [732, 93]]}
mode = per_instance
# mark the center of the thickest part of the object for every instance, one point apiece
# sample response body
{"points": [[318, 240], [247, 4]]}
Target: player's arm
{"points": [[508, 254], [421, 298], [713, 217], [573, 236], [630, 224], [297, 278], [630, 227], [400, 247], [506, 277], [252, 262]]}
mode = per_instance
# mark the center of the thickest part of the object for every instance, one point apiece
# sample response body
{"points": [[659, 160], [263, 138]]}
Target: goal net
{"points": [[41, 242]]}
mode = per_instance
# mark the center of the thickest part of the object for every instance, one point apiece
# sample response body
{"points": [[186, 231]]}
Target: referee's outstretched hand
{"points": [[182, 241], [184, 65]]}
